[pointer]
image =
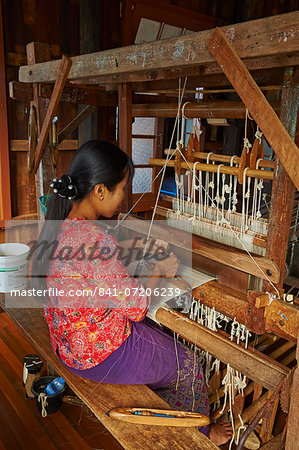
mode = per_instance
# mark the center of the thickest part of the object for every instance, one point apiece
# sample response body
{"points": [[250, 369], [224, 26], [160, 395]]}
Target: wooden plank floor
{"points": [[21, 425]]}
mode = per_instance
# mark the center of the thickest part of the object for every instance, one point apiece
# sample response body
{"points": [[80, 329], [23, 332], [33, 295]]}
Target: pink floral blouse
{"points": [[92, 296]]}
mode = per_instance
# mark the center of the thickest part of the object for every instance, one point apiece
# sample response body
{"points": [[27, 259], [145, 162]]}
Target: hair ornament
{"points": [[64, 187]]}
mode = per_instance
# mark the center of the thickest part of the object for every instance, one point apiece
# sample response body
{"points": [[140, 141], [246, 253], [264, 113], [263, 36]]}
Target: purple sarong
{"points": [[150, 356]]}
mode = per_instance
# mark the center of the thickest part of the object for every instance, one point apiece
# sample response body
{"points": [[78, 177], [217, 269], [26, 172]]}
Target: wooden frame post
{"points": [[52, 108], [37, 53], [125, 129], [5, 198], [283, 189]]}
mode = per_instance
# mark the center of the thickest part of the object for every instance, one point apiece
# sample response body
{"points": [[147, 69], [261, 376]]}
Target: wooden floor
{"points": [[21, 425]]}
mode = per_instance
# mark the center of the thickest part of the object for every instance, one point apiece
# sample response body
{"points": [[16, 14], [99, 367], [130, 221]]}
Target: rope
{"points": [[194, 188], [42, 399], [246, 141], [183, 110], [258, 134], [256, 203], [217, 198]]}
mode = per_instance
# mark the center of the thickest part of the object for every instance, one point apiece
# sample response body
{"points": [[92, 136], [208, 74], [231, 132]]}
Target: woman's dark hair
{"points": [[95, 162]]}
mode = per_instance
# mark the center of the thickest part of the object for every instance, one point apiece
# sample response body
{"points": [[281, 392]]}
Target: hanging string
{"points": [[257, 195], [195, 188], [217, 198], [207, 196], [183, 110], [247, 144], [163, 174], [161, 171], [242, 244], [242, 427], [258, 134], [231, 198], [209, 184]]}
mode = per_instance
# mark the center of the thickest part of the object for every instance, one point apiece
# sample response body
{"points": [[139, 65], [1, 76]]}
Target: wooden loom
{"points": [[235, 270]]}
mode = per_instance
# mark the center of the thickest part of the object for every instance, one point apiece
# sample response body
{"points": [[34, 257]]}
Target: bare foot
{"points": [[220, 433]]}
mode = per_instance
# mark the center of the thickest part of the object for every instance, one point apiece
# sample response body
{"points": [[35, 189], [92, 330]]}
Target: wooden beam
{"points": [[37, 53], [283, 319], [75, 123], [75, 94], [265, 174], [5, 198], [80, 94], [283, 190], [21, 145], [250, 39], [262, 77], [59, 84], [280, 317], [260, 63], [256, 366], [208, 75], [222, 158], [226, 300], [259, 108], [204, 110]]}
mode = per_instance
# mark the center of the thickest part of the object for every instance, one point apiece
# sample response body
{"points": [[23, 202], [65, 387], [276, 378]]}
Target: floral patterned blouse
{"points": [[92, 297]]}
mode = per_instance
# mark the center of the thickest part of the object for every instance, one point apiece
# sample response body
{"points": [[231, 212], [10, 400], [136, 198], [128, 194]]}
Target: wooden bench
{"points": [[102, 397]]}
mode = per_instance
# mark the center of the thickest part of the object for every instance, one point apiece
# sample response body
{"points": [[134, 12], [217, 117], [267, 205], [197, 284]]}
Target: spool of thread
{"points": [[31, 372], [31, 377]]}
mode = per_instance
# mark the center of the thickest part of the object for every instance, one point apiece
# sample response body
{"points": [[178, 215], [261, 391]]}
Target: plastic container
{"points": [[13, 266], [52, 402], [55, 386]]}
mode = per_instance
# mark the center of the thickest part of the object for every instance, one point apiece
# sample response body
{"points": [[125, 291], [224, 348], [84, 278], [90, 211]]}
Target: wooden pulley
{"points": [[32, 138], [53, 135], [256, 153], [177, 163], [193, 144], [244, 162]]}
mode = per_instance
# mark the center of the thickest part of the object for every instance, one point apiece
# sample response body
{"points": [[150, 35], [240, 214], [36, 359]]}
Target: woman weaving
{"points": [[99, 338]]}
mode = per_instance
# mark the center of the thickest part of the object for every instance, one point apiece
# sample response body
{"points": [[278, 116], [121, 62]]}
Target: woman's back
{"points": [[91, 295]]}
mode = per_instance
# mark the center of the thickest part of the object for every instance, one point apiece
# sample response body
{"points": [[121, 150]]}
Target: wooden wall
{"points": [[56, 22], [234, 11]]}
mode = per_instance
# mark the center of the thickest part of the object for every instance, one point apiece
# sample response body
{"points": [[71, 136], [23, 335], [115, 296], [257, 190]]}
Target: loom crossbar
{"points": [[254, 173], [265, 371]]}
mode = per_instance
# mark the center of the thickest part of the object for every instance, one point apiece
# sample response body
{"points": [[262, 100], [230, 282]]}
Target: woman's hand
{"points": [[152, 245], [168, 267], [155, 246]]}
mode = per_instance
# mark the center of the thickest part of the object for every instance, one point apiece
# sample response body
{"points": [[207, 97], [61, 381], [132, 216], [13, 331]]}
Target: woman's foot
{"points": [[220, 433]]}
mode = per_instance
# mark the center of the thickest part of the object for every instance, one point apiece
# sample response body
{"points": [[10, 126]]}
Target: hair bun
{"points": [[64, 187]]}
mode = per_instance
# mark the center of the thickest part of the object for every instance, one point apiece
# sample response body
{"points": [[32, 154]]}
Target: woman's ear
{"points": [[100, 191]]}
